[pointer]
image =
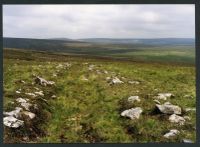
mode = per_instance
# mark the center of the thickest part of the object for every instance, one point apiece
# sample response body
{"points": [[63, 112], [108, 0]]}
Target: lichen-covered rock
{"points": [[177, 119], [133, 99], [168, 108], [12, 122], [133, 113], [171, 133]]}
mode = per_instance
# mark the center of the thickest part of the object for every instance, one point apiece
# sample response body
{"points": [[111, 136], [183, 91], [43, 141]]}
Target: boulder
{"points": [[177, 119], [43, 82], [133, 99], [171, 133], [164, 96], [168, 108], [133, 113], [12, 122]]}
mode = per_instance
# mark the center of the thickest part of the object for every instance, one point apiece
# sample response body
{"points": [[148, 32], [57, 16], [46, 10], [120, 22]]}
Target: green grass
{"points": [[89, 111]]}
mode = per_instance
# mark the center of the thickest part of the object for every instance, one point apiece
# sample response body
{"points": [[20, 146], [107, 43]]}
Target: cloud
{"points": [[88, 21]]}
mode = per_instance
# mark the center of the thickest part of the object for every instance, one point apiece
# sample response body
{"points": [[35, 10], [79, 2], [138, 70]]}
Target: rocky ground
{"points": [[57, 99]]}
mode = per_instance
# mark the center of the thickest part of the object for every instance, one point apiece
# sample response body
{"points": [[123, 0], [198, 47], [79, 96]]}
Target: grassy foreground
{"points": [[88, 111]]}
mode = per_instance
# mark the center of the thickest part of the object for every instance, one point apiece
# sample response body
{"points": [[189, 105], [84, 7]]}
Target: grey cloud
{"points": [[85, 21]]}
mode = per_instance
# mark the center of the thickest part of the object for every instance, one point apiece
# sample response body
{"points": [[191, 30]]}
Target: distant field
{"points": [[158, 50], [87, 108]]}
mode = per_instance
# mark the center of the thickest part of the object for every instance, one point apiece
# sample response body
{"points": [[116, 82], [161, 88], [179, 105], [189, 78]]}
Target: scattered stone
{"points": [[168, 108], [40, 93], [177, 119], [116, 81], [36, 88], [31, 94], [91, 67], [54, 75], [133, 99], [59, 66], [105, 72], [84, 78], [190, 109], [187, 141], [156, 101], [12, 122], [134, 82], [164, 96], [14, 113], [35, 106], [133, 113], [53, 96], [172, 133], [26, 106], [18, 92], [21, 100], [29, 114], [43, 82], [108, 78]]}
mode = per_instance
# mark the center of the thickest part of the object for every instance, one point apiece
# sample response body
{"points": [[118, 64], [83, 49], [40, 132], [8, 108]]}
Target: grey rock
{"points": [[12, 122], [134, 82], [14, 113], [133, 113], [168, 108], [29, 114], [164, 96], [26, 106], [40, 93], [43, 82], [116, 80], [171, 133], [177, 119], [187, 141], [133, 99], [21, 100], [156, 101]]}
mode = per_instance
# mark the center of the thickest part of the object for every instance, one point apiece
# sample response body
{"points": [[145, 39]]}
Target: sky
{"points": [[99, 21]]}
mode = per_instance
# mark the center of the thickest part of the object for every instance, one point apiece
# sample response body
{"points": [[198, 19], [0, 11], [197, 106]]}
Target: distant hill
{"points": [[99, 46], [157, 41]]}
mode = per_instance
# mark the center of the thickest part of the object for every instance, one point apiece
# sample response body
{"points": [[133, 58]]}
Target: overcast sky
{"points": [[99, 21]]}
